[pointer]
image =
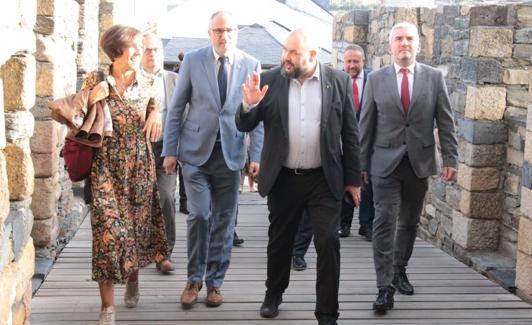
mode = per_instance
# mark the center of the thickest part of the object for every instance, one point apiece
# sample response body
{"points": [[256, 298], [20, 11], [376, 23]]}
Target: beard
{"points": [[294, 74]]}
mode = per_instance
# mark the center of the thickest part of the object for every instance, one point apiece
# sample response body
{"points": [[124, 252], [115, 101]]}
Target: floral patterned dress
{"points": [[127, 224]]}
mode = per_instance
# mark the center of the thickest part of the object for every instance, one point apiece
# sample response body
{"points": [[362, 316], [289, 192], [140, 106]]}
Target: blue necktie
{"points": [[222, 79]]}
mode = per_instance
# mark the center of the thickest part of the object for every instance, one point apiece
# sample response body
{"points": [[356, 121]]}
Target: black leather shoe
{"points": [[401, 283], [270, 306], [298, 263], [366, 232], [237, 241], [344, 231], [183, 210], [326, 320], [384, 300]]}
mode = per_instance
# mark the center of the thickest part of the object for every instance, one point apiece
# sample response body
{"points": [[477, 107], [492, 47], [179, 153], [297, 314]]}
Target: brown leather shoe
{"points": [[214, 297], [190, 295]]}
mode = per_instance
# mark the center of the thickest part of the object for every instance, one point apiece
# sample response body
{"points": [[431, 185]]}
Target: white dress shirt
{"points": [[399, 76], [304, 120]]}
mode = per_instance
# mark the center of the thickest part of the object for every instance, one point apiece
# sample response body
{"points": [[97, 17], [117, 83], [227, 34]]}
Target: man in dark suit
{"points": [[354, 59], [310, 158], [403, 102]]}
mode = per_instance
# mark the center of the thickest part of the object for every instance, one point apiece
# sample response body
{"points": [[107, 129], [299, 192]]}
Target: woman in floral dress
{"points": [[127, 224]]}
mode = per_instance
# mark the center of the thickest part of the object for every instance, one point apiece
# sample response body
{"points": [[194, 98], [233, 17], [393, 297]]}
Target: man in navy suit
{"points": [[354, 59], [201, 133]]}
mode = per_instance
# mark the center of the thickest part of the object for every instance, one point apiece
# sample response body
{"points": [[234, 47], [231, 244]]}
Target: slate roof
{"points": [[255, 40]]}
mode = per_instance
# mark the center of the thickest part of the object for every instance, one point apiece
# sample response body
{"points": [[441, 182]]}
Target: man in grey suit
{"points": [[309, 162], [211, 151], [403, 102], [152, 63]]}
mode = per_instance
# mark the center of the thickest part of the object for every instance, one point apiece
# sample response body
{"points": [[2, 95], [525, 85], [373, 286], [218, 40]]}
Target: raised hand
{"points": [[251, 92]]}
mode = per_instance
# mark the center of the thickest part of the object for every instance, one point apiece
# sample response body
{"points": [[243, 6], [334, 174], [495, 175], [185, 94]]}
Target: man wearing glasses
{"points": [[211, 151]]}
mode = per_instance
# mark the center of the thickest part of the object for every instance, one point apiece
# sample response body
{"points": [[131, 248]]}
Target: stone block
{"points": [[458, 101], [7, 292], [478, 179], [514, 157], [526, 175], [516, 77], [21, 220], [25, 269], [356, 17], [44, 139], [485, 103], [482, 132], [529, 114], [45, 164], [523, 276], [482, 155], [524, 240], [526, 201], [495, 42], [516, 141], [45, 79], [19, 170], [478, 205], [480, 70], [515, 116], [523, 35], [512, 184], [429, 41], [489, 16], [45, 25], [405, 14], [475, 234], [437, 187], [44, 199], [4, 189], [46, 7], [518, 96], [447, 46], [528, 147], [524, 16], [18, 75], [2, 120], [45, 232], [453, 195], [523, 52], [355, 34], [19, 125], [46, 48]]}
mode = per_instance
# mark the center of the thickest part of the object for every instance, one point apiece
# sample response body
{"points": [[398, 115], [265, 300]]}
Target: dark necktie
{"points": [[405, 94], [356, 99], [222, 79]]}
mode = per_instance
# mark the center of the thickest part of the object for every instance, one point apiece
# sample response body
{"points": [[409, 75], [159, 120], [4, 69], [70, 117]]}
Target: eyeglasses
{"points": [[220, 31], [149, 50]]}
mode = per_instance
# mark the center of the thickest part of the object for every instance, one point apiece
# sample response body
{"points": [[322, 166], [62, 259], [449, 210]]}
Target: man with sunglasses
{"points": [[201, 134]]}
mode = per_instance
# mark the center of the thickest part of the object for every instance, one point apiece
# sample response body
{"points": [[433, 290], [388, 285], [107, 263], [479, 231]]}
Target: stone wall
{"points": [[17, 97], [485, 54]]}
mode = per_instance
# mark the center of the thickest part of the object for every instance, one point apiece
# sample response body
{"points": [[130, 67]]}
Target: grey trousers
{"points": [[398, 202], [166, 185]]}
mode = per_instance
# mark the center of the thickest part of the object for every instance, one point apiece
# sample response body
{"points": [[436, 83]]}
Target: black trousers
{"points": [[290, 195], [366, 212], [303, 236]]}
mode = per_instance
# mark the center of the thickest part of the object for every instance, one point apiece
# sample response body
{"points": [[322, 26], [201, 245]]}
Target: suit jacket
{"points": [[366, 72], [169, 83], [191, 137], [387, 132], [339, 149]]}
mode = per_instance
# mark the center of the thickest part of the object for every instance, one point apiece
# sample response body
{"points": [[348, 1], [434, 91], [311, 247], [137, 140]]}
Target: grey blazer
{"points": [[190, 137], [169, 83], [387, 133], [339, 149]]}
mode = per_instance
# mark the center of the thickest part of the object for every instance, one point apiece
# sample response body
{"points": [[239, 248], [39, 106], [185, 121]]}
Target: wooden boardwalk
{"points": [[447, 292]]}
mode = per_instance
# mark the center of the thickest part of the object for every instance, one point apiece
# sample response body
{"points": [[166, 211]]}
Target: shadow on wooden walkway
{"points": [[447, 292]]}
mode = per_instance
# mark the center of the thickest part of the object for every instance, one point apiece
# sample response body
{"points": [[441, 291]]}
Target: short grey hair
{"points": [[355, 47], [220, 13], [403, 25]]}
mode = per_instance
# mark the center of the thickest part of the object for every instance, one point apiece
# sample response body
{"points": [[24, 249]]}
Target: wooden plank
{"points": [[447, 292]]}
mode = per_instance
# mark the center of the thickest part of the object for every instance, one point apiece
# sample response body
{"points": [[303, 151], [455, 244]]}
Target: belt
{"points": [[300, 171]]}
